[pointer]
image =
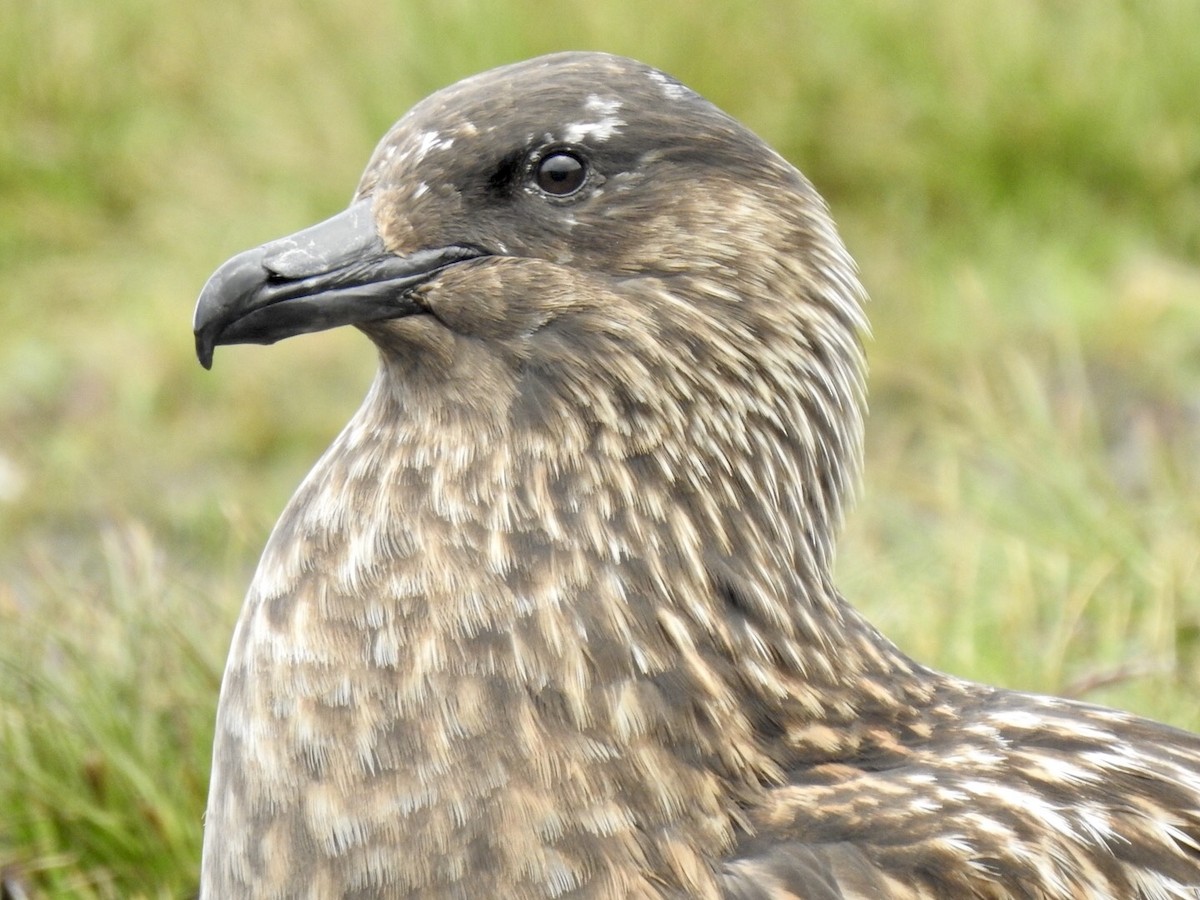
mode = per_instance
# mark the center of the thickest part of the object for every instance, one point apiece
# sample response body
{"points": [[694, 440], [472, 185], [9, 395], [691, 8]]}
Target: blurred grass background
{"points": [[1020, 183]]}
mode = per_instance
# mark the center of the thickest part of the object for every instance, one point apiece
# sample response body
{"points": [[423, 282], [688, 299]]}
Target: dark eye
{"points": [[561, 174]]}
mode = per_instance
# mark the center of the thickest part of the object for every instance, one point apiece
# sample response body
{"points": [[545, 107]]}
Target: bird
{"points": [[554, 616]]}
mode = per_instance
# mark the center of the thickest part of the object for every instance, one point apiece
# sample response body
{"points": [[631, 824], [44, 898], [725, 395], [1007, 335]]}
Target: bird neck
{"points": [[568, 613], [567, 567]]}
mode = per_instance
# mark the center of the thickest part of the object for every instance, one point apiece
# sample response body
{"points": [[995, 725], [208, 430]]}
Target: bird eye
{"points": [[561, 174]]}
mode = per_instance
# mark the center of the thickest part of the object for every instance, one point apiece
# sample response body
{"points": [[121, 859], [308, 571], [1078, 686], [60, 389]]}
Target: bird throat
{"points": [[457, 618]]}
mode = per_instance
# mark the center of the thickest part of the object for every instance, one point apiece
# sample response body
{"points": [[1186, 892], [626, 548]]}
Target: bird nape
{"points": [[554, 616]]}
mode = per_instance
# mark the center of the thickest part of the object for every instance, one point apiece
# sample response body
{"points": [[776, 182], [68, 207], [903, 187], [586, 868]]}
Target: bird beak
{"points": [[337, 272]]}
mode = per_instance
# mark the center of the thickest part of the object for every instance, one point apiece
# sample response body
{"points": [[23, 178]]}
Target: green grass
{"points": [[1020, 183]]}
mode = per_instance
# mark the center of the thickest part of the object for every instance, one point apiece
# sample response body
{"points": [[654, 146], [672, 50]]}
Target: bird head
{"points": [[582, 236]]}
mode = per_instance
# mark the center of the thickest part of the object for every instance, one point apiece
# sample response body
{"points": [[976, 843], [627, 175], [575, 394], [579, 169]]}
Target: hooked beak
{"points": [[337, 272]]}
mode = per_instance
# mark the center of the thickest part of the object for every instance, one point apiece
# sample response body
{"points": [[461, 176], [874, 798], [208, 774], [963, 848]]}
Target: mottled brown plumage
{"points": [[553, 617]]}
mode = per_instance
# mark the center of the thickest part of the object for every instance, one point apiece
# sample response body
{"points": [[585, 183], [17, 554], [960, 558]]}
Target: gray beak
{"points": [[337, 272]]}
